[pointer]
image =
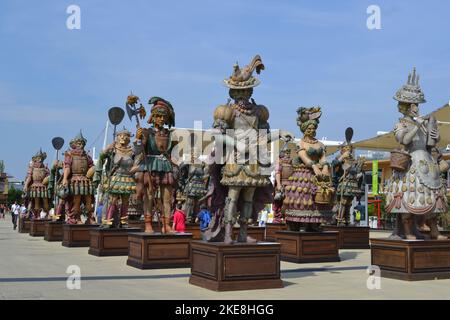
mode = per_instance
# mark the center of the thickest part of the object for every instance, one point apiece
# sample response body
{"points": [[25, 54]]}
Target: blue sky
{"points": [[55, 81]]}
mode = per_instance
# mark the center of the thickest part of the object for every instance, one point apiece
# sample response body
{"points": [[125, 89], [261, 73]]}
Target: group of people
{"points": [[16, 211]]}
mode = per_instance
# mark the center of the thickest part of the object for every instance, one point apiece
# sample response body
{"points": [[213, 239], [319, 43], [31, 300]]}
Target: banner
{"points": [[375, 177]]}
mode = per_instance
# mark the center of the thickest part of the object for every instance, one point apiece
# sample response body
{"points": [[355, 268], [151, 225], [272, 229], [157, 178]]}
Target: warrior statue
{"points": [[56, 177], [155, 176], [242, 179], [309, 193], [347, 180], [36, 183], [77, 184], [193, 183], [283, 171], [119, 182], [415, 187]]}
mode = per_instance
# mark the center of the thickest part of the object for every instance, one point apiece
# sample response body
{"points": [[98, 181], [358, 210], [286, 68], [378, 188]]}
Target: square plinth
{"points": [[308, 247], [24, 225], [239, 266], [255, 232], [77, 235], [351, 237], [194, 228], [110, 241], [157, 251], [37, 227], [412, 260], [54, 231], [271, 229], [140, 224]]}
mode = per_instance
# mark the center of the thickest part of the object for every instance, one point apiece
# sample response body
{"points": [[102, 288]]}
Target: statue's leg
{"points": [[146, 189], [111, 210], [166, 195], [45, 206], [188, 208], [75, 210], [36, 210], [408, 225], [124, 209], [230, 212], [432, 222], [88, 203], [245, 215]]}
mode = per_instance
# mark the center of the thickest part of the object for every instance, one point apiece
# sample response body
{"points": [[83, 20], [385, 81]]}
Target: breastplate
{"points": [[286, 171], [38, 174], [79, 164]]}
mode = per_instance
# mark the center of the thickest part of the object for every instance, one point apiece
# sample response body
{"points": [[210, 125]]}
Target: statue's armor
{"points": [[286, 171], [162, 142], [39, 175], [122, 182], [79, 165], [196, 186], [37, 188]]}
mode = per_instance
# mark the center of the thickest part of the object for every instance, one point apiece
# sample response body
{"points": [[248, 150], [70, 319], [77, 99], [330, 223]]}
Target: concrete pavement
{"points": [[31, 268]]}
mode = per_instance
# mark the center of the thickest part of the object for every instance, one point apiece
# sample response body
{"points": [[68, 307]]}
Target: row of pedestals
{"points": [[244, 266]]}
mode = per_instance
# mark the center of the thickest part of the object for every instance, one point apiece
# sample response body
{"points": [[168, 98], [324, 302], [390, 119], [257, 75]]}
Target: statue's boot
{"points": [[408, 226], [228, 233], [148, 223], [434, 231], [166, 225], [108, 222], [124, 214]]}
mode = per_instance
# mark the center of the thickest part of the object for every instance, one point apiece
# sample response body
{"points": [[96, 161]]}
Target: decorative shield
{"points": [[116, 115], [57, 143]]}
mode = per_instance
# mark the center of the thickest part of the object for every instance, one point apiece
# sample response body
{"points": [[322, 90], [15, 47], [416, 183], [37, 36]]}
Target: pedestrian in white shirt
{"points": [[15, 211]]}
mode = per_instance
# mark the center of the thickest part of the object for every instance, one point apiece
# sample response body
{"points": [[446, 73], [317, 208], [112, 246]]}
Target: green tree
{"points": [[14, 195]]}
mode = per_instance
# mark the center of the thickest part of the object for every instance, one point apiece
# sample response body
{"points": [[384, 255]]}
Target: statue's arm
{"points": [[404, 134]]}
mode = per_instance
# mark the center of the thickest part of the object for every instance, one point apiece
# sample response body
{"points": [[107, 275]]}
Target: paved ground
{"points": [[31, 268]]}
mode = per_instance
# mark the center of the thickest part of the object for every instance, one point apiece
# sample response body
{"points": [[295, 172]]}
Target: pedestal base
{"points": [[307, 247], [24, 225], [141, 225], [241, 266], [272, 228], [255, 232], [156, 250], [37, 227], [351, 237], [110, 241], [54, 231], [77, 235], [194, 228], [412, 259]]}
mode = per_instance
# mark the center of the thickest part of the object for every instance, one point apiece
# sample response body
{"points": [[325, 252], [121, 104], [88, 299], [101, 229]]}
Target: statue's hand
{"points": [[139, 133], [434, 134]]}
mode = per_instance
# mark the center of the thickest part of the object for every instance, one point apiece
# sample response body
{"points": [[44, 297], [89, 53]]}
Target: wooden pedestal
{"points": [[54, 231], [37, 227], [194, 228], [272, 228], [24, 225], [110, 241], [309, 246], [141, 225], [412, 259], [77, 235], [351, 237], [156, 250], [252, 231], [239, 266]]}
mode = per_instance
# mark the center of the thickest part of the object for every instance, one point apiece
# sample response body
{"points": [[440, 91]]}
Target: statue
{"points": [[309, 192], [155, 171], [119, 182], [36, 185], [283, 171], [240, 187], [77, 187], [347, 180], [55, 179], [193, 185], [415, 187]]}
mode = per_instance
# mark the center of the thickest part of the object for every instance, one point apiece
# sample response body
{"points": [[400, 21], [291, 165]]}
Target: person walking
{"points": [[204, 217], [2, 211], [15, 211], [179, 219]]}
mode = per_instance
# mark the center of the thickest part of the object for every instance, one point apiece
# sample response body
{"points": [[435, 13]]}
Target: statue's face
{"points": [[241, 94], [123, 139], [38, 159], [78, 145], [414, 110], [159, 119], [345, 149], [311, 131]]}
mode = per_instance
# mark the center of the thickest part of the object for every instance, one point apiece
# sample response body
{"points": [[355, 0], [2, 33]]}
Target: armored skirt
{"points": [[81, 185], [299, 202], [239, 175], [120, 184]]}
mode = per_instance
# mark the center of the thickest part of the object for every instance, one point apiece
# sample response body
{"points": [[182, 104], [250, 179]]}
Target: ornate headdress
{"points": [[40, 154], [124, 131], [411, 92], [78, 137], [162, 107], [308, 116], [243, 78]]}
